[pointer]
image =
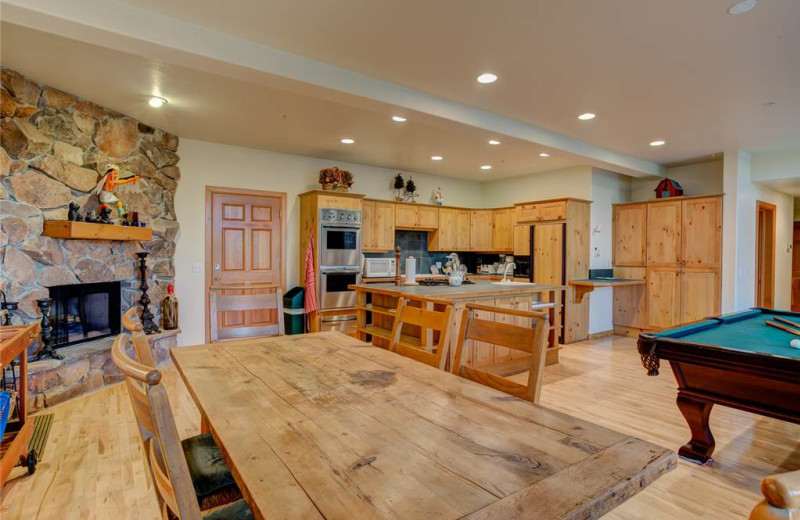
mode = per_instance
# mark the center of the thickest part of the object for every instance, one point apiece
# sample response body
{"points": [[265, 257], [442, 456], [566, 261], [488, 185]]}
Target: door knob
{"points": [[217, 267]]}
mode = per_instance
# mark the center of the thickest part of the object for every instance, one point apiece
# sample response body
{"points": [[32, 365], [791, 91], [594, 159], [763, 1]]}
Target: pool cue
{"points": [[788, 322], [784, 328]]}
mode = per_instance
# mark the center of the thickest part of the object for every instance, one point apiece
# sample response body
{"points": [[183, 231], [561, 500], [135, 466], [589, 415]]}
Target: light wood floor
{"points": [[94, 468]]}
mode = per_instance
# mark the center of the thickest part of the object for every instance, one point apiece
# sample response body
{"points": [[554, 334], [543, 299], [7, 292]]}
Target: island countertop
{"points": [[479, 289]]}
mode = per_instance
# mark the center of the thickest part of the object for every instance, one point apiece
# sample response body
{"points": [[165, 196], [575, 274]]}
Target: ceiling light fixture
{"points": [[587, 116], [487, 77], [436, 157], [157, 102], [494, 142], [347, 141], [486, 167], [659, 142], [399, 119], [742, 7], [544, 154]]}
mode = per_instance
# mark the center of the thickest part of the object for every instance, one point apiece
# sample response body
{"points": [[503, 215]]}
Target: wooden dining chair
{"points": [[179, 468], [781, 498], [244, 302], [531, 339], [414, 347], [141, 345]]}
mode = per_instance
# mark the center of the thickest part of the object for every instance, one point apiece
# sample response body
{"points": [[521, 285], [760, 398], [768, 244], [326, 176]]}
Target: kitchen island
{"points": [[376, 304]]}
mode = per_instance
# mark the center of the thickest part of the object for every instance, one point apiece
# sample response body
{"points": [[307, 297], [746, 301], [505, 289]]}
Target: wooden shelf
{"points": [[379, 310], [376, 331], [90, 231]]}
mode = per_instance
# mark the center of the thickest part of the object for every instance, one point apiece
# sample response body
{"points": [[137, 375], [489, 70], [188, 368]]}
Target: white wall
{"points": [[210, 164], [776, 165], [695, 179], [568, 182]]}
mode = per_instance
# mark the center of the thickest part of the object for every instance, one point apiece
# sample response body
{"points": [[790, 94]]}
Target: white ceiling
{"points": [[220, 109], [680, 70]]}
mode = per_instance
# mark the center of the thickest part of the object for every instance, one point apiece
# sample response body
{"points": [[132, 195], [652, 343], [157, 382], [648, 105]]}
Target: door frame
{"points": [[211, 190], [765, 254]]}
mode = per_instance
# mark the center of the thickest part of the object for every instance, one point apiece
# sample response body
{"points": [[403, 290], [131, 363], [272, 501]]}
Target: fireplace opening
{"points": [[84, 312]]}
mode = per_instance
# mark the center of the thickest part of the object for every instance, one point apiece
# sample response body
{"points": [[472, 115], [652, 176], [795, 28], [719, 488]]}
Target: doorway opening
{"points": [[796, 268], [765, 254]]}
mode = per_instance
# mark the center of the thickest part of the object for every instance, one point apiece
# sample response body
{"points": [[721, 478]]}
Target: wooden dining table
{"points": [[324, 426]]}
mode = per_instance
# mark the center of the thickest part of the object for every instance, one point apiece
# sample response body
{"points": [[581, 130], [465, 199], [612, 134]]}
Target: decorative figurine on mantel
{"points": [[107, 186], [411, 190], [398, 185], [438, 197], [74, 213]]}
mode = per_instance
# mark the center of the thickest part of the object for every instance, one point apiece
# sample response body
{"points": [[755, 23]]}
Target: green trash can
{"points": [[294, 311]]}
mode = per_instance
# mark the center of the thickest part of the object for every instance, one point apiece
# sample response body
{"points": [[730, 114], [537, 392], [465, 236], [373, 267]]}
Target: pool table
{"points": [[733, 360]]}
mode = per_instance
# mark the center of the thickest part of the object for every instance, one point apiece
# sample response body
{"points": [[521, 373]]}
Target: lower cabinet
{"points": [[678, 296], [700, 294], [664, 288]]}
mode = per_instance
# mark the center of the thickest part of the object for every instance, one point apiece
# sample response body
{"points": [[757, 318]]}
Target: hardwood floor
{"points": [[93, 466]]}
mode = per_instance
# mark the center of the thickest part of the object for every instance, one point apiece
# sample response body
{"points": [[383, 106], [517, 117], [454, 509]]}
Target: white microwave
{"points": [[379, 267]]}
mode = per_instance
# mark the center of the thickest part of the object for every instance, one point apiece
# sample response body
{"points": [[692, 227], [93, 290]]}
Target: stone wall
{"points": [[55, 148]]}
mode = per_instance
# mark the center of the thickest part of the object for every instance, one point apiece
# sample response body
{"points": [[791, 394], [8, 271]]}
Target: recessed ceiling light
{"points": [[494, 142], [487, 77], [399, 119], [157, 102], [486, 167], [544, 154], [436, 157], [658, 143], [742, 7], [587, 116], [347, 141]]}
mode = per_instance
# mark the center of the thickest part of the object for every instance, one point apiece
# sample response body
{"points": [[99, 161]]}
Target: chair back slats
{"points": [[163, 485], [531, 339], [219, 303], [425, 319], [141, 408]]}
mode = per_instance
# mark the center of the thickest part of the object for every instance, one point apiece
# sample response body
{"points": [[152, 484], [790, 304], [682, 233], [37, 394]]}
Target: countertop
{"points": [[479, 289], [606, 282]]}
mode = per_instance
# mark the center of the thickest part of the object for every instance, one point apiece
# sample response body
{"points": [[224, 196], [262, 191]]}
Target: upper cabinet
{"points": [[412, 216], [664, 233], [502, 234], [378, 226], [630, 235], [453, 232], [481, 230], [462, 230], [522, 240], [701, 232], [541, 211]]}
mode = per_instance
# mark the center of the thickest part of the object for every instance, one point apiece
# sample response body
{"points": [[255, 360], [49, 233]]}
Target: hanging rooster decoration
{"points": [[126, 181]]}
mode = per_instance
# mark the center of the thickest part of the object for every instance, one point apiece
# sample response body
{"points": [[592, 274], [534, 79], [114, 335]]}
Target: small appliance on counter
{"points": [[379, 267]]}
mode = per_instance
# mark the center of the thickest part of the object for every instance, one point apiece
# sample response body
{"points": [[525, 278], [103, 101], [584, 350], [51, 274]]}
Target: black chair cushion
{"points": [[210, 475], [236, 511]]}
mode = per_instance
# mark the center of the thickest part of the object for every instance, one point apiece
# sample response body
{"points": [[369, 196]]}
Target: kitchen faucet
{"points": [[505, 271]]}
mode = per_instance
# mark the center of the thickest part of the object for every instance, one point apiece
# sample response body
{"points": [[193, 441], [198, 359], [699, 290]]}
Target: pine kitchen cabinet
{"points": [[378, 221], [481, 230], [453, 231], [413, 216], [502, 231]]}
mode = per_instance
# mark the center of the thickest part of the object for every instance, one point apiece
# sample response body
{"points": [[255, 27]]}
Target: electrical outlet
{"points": [[197, 267]]}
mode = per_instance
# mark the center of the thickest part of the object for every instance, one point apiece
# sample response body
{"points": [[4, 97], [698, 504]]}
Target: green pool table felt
{"points": [[744, 331]]}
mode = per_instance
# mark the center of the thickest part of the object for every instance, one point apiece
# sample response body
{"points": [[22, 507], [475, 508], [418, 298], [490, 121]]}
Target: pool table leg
{"points": [[696, 412]]}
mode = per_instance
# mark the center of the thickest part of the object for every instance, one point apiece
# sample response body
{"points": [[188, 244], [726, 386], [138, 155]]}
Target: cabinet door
{"points": [[384, 226], [405, 216], [481, 230], [522, 240], [630, 235], [427, 217], [325, 200], [700, 294], [701, 232], [445, 236], [368, 225], [528, 213], [664, 233], [462, 228], [548, 253], [553, 211], [501, 230], [664, 297], [630, 302]]}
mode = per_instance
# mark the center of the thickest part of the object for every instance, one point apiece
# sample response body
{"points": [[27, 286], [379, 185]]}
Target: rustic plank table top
{"points": [[325, 426]]}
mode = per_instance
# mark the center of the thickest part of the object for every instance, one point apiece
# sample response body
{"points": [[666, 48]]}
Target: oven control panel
{"points": [[340, 217]]}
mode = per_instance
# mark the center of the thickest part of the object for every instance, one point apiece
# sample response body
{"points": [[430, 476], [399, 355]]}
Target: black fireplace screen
{"points": [[84, 312]]}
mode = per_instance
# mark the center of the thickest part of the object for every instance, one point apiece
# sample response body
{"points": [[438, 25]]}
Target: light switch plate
{"points": [[197, 267]]}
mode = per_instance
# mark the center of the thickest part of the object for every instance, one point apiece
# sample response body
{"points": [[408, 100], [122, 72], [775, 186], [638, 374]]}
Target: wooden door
{"points": [[384, 226], [630, 302], [501, 230], [427, 217], [701, 232], [700, 294], [462, 230], [553, 211], [664, 290], [245, 234], [481, 230], [796, 268], [528, 213], [405, 216], [522, 240], [630, 235], [664, 233], [368, 228], [445, 237], [548, 253], [765, 254]]}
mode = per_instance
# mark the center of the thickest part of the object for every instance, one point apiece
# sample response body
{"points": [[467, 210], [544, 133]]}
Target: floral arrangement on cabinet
{"points": [[334, 179]]}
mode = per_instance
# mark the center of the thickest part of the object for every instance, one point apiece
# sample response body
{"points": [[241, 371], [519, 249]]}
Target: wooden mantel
{"points": [[91, 231]]}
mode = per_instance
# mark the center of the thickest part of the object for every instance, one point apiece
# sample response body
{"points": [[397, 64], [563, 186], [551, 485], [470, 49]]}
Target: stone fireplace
{"points": [[84, 312], [53, 149]]}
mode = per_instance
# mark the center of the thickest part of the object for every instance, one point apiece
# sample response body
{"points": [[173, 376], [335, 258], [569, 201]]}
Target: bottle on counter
{"points": [[169, 309]]}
